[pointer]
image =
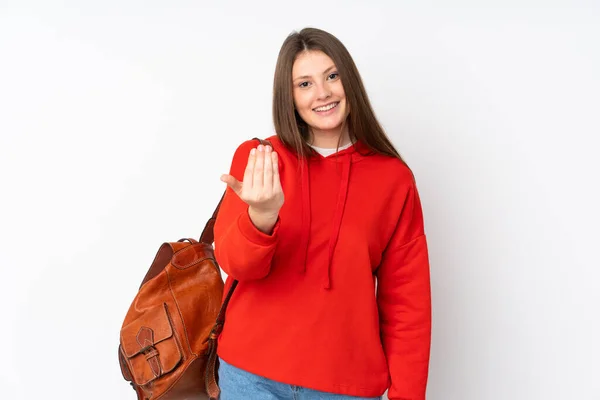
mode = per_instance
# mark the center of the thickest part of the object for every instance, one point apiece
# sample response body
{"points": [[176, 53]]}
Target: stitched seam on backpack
{"points": [[180, 316]]}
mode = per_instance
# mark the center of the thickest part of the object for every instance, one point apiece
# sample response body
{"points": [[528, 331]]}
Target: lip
{"points": [[325, 105]]}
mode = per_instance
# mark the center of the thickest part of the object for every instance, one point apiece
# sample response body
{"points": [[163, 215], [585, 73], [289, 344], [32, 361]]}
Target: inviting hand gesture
{"points": [[261, 188]]}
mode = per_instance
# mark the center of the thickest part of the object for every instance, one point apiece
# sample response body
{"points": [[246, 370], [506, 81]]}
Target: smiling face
{"points": [[318, 94]]}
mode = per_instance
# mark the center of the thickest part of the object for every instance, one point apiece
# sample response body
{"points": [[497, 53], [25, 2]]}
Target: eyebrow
{"points": [[308, 76]]}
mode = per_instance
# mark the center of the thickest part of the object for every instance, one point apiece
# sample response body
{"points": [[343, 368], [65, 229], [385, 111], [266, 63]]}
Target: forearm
{"points": [[242, 250], [404, 301]]}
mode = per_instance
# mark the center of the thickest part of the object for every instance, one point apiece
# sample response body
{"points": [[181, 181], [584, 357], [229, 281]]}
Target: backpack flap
{"points": [[149, 346]]}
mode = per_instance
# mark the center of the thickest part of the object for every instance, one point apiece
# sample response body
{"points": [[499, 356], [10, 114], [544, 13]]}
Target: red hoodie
{"points": [[306, 311]]}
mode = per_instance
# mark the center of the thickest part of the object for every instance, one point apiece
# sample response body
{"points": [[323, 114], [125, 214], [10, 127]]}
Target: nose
{"points": [[323, 92]]}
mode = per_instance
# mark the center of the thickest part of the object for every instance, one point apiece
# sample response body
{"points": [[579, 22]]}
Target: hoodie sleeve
{"points": [[404, 302], [241, 250]]}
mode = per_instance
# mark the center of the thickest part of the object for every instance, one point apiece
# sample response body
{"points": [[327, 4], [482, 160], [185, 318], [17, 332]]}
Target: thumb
{"points": [[233, 183]]}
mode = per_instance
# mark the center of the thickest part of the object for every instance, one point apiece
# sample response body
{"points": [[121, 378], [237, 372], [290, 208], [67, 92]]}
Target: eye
{"points": [[303, 84], [333, 75]]}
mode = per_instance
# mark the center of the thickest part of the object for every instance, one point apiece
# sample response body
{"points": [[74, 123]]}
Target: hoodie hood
{"points": [[344, 159]]}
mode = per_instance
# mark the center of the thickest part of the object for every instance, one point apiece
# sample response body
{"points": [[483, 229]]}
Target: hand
{"points": [[261, 187]]}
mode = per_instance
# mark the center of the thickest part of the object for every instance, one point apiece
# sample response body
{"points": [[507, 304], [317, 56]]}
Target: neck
{"points": [[326, 140]]}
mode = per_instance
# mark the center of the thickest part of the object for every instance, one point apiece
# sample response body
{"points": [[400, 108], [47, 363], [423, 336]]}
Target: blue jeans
{"points": [[237, 384]]}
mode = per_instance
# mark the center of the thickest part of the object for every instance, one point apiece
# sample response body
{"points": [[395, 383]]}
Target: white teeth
{"points": [[326, 108]]}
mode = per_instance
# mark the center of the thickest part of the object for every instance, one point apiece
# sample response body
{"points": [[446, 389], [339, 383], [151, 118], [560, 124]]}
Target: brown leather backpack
{"points": [[168, 341]]}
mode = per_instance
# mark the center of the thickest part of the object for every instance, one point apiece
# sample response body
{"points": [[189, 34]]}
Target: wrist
{"points": [[263, 221]]}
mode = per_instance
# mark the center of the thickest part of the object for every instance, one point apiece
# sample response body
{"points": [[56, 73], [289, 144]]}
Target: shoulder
{"points": [[246, 146], [395, 170], [275, 142], [240, 157], [242, 151], [250, 144]]}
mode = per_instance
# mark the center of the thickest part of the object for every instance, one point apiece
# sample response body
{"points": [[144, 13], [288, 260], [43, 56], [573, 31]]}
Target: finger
{"points": [[249, 172], [233, 183], [276, 178], [259, 167], [268, 175]]}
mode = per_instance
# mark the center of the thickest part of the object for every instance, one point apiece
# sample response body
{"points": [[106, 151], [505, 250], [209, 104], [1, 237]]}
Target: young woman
{"points": [[323, 229]]}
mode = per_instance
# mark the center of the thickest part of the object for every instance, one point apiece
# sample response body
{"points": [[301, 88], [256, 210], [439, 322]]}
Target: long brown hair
{"points": [[362, 123]]}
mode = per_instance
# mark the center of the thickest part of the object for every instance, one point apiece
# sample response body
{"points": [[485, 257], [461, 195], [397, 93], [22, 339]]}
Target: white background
{"points": [[118, 117]]}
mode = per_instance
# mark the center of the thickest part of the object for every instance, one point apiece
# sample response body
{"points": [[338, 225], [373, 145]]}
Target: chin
{"points": [[328, 127]]}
